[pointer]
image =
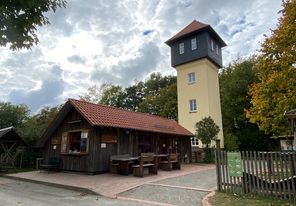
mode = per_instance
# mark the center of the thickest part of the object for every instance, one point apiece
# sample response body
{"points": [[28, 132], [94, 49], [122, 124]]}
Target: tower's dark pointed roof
{"points": [[195, 27]]}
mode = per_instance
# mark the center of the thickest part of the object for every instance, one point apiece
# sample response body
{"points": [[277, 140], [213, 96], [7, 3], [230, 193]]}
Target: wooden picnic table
{"points": [[124, 164]]}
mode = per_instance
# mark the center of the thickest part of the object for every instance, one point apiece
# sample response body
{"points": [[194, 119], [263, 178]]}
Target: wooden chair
{"points": [[147, 160], [173, 162]]}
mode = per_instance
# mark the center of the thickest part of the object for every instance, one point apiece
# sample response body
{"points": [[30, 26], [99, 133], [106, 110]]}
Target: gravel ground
{"points": [[168, 195], [203, 179]]}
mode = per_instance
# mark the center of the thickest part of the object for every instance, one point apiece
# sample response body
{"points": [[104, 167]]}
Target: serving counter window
{"points": [[75, 142]]}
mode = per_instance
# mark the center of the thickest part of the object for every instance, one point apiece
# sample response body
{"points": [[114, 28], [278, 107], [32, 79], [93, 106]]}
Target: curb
{"points": [[68, 187], [205, 199]]}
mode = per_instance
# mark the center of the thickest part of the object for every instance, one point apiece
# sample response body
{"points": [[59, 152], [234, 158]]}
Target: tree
{"points": [[275, 92], [19, 21], [13, 115], [34, 126], [157, 95], [133, 96], [234, 82], [206, 130], [165, 104], [160, 96], [156, 82], [112, 95], [168, 102], [92, 95]]}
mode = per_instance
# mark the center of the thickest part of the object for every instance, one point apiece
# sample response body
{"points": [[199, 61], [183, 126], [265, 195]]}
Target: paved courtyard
{"points": [[20, 193], [177, 187], [184, 190]]}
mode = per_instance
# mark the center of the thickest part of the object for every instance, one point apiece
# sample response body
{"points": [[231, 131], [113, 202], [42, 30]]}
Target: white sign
{"points": [[83, 135], [103, 145]]}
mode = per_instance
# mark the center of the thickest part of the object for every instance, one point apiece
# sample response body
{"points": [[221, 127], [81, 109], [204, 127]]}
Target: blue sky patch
{"points": [[147, 32]]}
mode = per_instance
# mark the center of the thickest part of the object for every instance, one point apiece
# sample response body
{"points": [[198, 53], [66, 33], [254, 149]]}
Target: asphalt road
{"points": [[19, 193]]}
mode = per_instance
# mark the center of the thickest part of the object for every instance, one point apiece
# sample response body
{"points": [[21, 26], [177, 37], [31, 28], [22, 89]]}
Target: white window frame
{"points": [[217, 49], [191, 77], [193, 44], [212, 44], [194, 141], [192, 105], [181, 48]]}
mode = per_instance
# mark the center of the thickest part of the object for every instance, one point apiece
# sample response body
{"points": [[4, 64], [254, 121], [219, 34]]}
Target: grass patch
{"points": [[225, 199]]}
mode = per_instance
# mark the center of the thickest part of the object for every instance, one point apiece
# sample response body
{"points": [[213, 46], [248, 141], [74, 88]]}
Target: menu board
{"points": [[234, 163]]}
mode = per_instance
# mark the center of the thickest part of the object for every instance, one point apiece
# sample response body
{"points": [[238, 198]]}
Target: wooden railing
{"points": [[263, 173]]}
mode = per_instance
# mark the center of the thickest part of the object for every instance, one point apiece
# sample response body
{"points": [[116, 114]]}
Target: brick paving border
{"points": [[180, 187], [205, 199], [144, 201]]}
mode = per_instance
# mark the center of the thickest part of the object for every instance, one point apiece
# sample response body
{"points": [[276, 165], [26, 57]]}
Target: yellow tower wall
{"points": [[206, 92]]}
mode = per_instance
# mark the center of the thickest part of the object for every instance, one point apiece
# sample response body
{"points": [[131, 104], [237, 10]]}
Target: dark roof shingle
{"points": [[193, 27]]}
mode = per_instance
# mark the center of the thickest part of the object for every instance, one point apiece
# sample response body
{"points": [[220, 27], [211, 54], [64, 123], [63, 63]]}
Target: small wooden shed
{"points": [[11, 147], [84, 136]]}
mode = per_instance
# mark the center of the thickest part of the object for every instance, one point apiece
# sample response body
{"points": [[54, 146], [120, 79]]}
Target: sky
{"points": [[93, 42]]}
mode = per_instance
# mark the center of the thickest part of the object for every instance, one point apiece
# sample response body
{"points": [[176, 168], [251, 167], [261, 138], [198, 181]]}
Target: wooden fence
{"points": [[262, 173]]}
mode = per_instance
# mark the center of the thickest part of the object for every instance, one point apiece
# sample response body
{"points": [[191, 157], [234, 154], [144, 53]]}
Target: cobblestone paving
{"points": [[203, 179], [174, 196]]}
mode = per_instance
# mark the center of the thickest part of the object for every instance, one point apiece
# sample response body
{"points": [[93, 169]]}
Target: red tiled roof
{"points": [[102, 115], [192, 27]]}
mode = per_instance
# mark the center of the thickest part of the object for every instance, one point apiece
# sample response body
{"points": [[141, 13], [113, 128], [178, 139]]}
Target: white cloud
{"points": [[120, 41]]}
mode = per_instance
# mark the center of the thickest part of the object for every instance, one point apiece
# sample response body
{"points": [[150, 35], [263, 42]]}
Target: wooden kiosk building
{"points": [[84, 136]]}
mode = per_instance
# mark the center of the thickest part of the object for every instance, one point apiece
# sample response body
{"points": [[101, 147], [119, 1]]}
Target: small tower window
{"points": [[191, 77], [194, 141], [212, 45], [217, 49], [192, 104], [193, 44], [181, 48]]}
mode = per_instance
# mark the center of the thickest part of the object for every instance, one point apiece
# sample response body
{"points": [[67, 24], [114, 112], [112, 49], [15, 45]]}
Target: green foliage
{"points": [[92, 94], [30, 128], [160, 96], [156, 82], [112, 95], [19, 21], [206, 130], [133, 96], [275, 92], [209, 155], [157, 95], [164, 104], [234, 82], [231, 142], [13, 115], [35, 125]]}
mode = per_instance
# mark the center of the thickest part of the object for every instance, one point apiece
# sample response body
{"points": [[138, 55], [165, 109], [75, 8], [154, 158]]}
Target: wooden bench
{"points": [[172, 162], [52, 164], [147, 160], [114, 163]]}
